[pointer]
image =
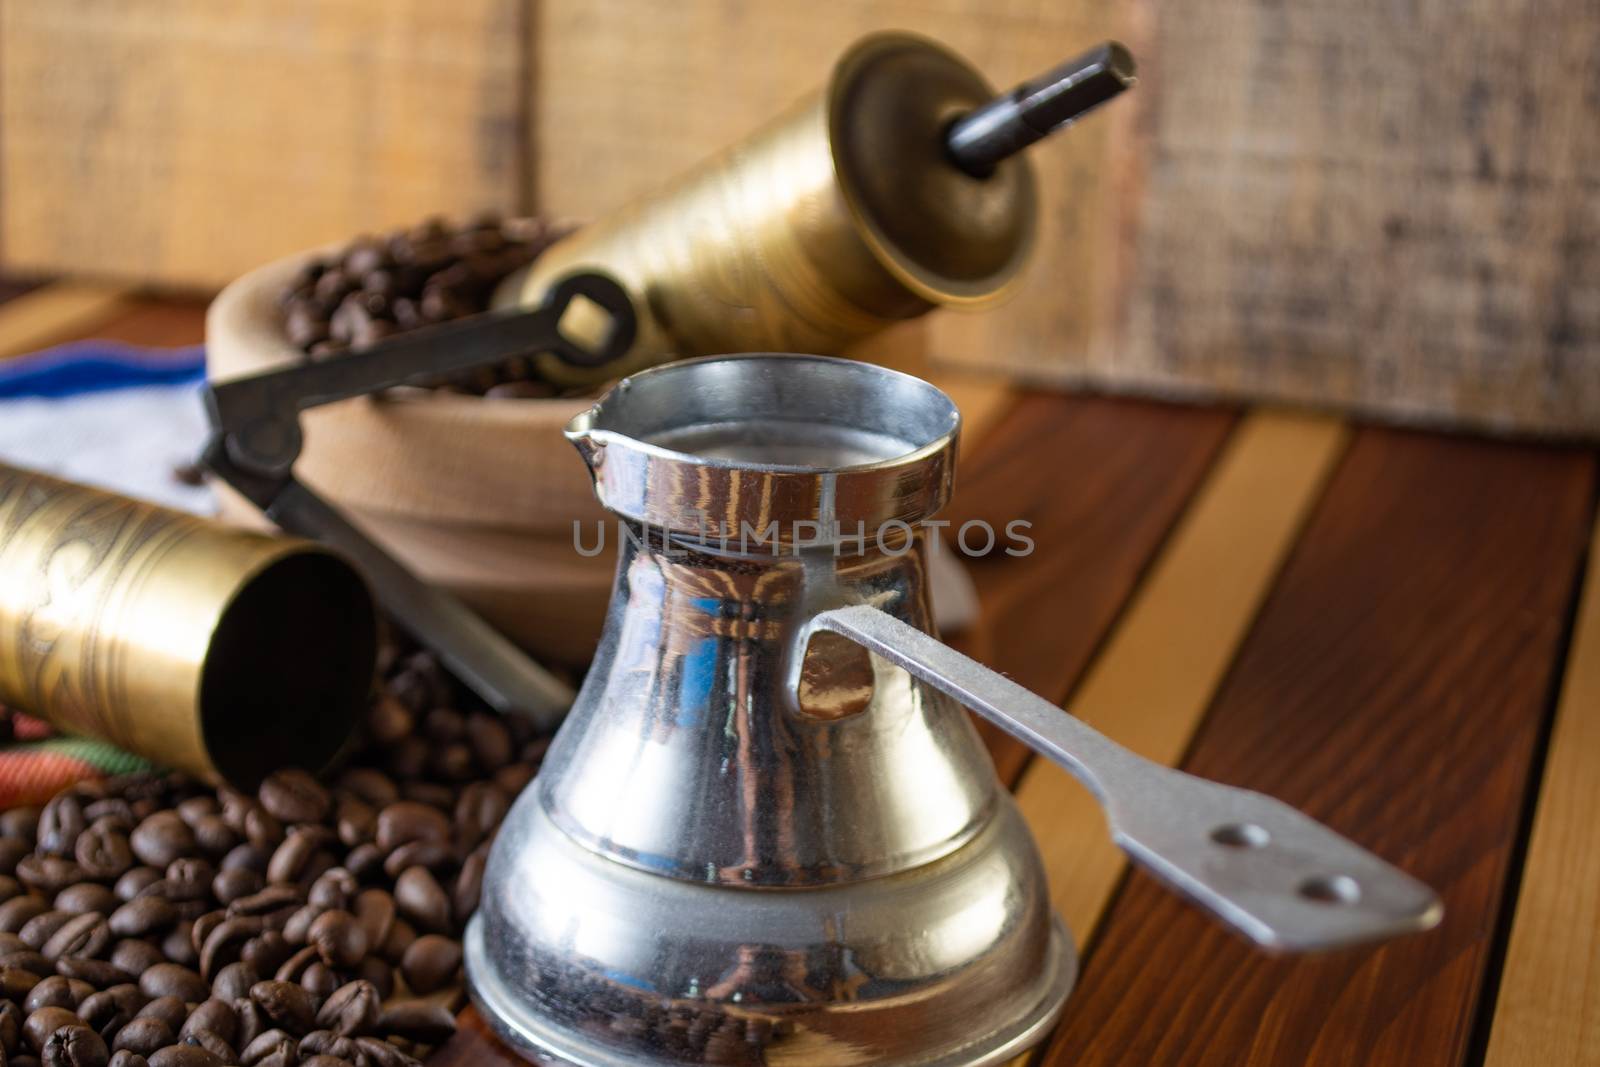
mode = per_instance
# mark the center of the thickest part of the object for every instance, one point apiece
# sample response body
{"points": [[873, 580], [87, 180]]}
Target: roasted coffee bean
{"points": [[10, 887], [190, 877], [267, 952], [294, 968], [287, 1005], [406, 758], [351, 1009], [269, 1043], [356, 820], [388, 722], [211, 1042], [74, 1045], [99, 1009], [144, 1034], [135, 956], [452, 762], [22, 821], [319, 980], [53, 992], [39, 929], [327, 1043], [217, 1016], [273, 898], [433, 794], [12, 851], [251, 1021], [86, 897], [334, 889], [379, 973], [15, 982], [490, 741], [135, 881], [185, 1056], [293, 796], [161, 838], [196, 808], [225, 943], [129, 1058], [478, 812], [174, 980], [234, 981], [325, 1061], [430, 963], [28, 960], [468, 887], [143, 916], [298, 927], [246, 857], [436, 856], [378, 1053], [114, 811], [370, 785], [83, 935], [60, 823], [39, 1025], [262, 829], [365, 861], [98, 973], [292, 858], [10, 1027], [374, 910], [426, 1021], [513, 779], [178, 944], [418, 897], [102, 851], [169, 1009], [401, 934], [48, 875]]}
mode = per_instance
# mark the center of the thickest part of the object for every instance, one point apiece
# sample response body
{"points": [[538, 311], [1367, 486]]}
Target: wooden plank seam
{"points": [[1152, 682], [1548, 1008]]}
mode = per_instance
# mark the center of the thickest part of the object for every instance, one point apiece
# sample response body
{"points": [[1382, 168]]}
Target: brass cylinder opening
{"points": [[288, 669]]}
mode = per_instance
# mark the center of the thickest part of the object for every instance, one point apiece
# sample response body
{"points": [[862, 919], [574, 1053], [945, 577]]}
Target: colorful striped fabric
{"points": [[39, 763]]}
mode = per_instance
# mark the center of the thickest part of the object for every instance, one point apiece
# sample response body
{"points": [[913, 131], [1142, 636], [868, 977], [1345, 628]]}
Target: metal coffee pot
{"points": [[768, 833]]}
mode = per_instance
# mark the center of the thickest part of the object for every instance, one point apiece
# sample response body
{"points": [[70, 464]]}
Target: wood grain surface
{"points": [[1102, 482], [1548, 1010], [1150, 685], [1395, 687], [184, 142], [35, 318]]}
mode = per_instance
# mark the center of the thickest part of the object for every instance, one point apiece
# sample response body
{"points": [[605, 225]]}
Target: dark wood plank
{"points": [[160, 322], [1395, 686], [1102, 480]]}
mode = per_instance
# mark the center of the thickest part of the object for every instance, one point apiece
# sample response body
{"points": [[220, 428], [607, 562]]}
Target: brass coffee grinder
{"points": [[897, 188]]}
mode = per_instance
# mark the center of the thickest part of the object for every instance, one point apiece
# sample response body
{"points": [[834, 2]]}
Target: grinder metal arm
{"points": [[256, 439]]}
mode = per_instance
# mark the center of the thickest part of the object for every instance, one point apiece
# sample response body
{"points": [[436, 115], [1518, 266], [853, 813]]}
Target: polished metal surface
{"points": [[256, 440], [766, 833], [1275, 875], [843, 216], [224, 652]]}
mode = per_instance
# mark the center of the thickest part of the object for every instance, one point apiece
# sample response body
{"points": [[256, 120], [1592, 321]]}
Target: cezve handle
{"points": [[1272, 873]]}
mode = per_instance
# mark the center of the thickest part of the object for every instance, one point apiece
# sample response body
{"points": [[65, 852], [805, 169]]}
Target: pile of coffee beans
{"points": [[153, 921], [432, 273]]}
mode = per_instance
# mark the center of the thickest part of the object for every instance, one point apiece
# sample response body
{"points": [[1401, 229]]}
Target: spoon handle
{"points": [[1275, 875]]}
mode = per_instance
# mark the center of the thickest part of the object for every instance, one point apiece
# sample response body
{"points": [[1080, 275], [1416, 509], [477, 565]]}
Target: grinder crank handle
{"points": [[1270, 872]]}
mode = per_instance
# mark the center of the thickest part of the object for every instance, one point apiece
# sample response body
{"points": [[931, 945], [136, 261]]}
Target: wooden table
{"points": [[1390, 629]]}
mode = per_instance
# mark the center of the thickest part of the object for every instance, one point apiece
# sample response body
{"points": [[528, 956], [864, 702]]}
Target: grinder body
{"points": [[841, 217]]}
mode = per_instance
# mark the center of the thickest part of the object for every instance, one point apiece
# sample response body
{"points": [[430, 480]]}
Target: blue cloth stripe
{"points": [[96, 367]]}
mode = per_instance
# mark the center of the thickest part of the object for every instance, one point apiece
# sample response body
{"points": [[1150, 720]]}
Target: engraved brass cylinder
{"points": [[839, 218], [213, 650]]}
